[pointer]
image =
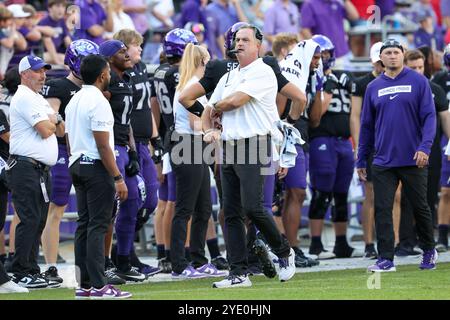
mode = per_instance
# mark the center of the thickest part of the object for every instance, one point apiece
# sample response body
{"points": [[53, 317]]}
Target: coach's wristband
{"points": [[197, 109]]}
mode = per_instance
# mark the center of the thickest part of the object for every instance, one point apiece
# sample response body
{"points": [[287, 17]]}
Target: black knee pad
{"points": [[339, 211], [319, 204]]}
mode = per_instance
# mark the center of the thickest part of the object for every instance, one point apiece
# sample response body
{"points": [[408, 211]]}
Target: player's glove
{"points": [[158, 149], [132, 167], [319, 83]]}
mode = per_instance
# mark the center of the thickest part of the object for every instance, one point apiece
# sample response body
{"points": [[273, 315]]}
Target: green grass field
{"points": [[407, 283]]}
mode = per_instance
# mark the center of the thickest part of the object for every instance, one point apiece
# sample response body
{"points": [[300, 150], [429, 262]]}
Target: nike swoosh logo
{"points": [[393, 97]]}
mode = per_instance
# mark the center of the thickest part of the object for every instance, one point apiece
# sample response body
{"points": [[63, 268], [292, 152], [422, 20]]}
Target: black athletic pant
{"points": [[414, 185], [24, 179], [3, 204], [193, 199], [95, 192], [242, 187]]}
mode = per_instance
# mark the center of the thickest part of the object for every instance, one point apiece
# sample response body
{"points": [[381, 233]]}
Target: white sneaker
{"points": [[12, 287], [325, 255], [233, 281], [287, 267]]}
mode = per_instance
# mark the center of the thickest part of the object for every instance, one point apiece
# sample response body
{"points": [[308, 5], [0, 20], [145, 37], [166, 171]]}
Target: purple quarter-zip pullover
{"points": [[398, 119]]}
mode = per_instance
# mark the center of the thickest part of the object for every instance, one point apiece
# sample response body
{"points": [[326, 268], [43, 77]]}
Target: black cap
{"points": [[391, 43]]}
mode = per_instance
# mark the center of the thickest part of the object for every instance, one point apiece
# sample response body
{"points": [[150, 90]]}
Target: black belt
{"points": [[36, 163]]}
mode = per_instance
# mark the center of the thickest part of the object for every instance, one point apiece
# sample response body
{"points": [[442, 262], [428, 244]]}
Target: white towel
{"points": [[291, 137], [295, 67]]}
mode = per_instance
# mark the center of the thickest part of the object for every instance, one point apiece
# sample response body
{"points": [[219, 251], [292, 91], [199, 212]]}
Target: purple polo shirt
{"points": [[423, 38], [91, 13], [326, 17], [139, 19], [225, 16], [61, 32], [398, 119], [279, 18]]}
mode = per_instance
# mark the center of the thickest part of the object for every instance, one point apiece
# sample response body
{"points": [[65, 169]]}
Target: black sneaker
{"points": [[370, 252], [165, 265], [52, 275], [302, 261], [220, 262], [131, 275], [112, 278], [261, 252], [109, 264], [31, 281], [406, 252], [345, 251]]}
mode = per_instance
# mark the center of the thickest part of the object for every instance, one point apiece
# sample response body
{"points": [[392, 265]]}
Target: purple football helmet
{"points": [[77, 50], [229, 35], [325, 45], [176, 40], [447, 56]]}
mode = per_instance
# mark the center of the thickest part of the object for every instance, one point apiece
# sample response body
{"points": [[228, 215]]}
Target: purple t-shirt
{"points": [[191, 11], [398, 119], [91, 14], [326, 17], [278, 18], [61, 32], [139, 19]]}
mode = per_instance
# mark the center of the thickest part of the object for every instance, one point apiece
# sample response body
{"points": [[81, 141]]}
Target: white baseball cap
{"points": [[33, 63], [17, 11], [375, 52]]}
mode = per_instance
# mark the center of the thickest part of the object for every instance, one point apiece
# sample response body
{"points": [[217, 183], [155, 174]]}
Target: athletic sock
{"points": [[443, 234], [316, 244], [341, 241], [213, 247], [160, 251]]}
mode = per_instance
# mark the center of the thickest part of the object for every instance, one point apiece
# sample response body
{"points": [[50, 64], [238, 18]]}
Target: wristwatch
{"points": [[118, 178], [59, 119]]}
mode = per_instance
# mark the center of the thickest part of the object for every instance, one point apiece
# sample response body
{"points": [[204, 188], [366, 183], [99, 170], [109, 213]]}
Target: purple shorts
{"points": [[148, 171], [61, 180], [167, 191], [331, 164], [445, 170], [296, 177]]}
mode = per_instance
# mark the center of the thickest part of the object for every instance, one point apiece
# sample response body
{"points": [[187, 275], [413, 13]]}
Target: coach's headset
{"points": [[258, 35]]}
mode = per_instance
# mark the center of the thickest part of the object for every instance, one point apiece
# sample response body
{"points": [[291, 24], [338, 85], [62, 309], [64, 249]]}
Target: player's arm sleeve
{"points": [[209, 79]]}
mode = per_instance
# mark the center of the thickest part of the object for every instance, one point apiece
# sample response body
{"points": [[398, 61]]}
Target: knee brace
{"points": [[319, 204], [339, 211]]}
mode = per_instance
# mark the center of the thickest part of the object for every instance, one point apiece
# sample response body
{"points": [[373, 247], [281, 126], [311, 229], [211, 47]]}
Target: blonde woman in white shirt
{"points": [[192, 177]]}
